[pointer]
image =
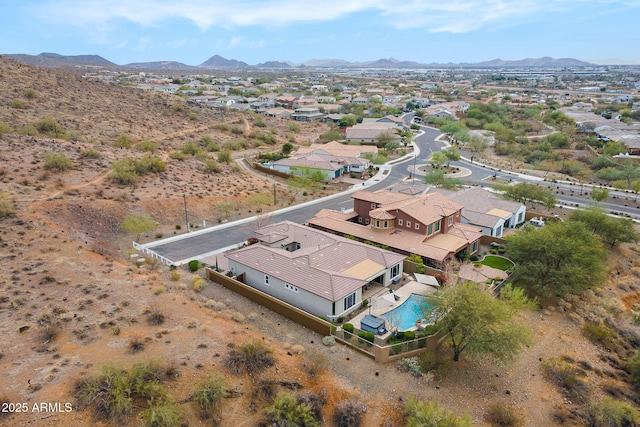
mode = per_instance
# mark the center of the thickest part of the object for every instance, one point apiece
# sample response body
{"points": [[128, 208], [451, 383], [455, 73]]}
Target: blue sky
{"points": [[254, 31]]}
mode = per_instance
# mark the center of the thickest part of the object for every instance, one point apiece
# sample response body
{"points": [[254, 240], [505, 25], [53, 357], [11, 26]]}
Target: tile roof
{"points": [[326, 265]]}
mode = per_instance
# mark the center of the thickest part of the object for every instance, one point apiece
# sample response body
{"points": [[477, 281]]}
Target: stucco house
{"points": [[488, 211], [320, 273], [429, 225]]}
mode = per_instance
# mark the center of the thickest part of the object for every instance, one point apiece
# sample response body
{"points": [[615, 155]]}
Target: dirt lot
{"points": [[71, 299]]}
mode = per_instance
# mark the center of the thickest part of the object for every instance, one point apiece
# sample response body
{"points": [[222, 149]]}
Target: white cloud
{"points": [[433, 15], [235, 41]]}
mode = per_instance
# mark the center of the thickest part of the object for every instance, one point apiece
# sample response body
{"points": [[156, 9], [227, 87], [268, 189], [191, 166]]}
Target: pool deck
{"points": [[379, 305]]}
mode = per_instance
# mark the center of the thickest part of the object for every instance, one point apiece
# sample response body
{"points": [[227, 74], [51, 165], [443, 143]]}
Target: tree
{"points": [[287, 148], [451, 155], [599, 194], [528, 193], [609, 229], [635, 187], [331, 135], [438, 159], [421, 414], [472, 320], [139, 224], [559, 258], [347, 121], [384, 138], [439, 179]]}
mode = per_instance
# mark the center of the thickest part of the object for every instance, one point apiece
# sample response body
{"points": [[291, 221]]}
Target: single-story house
{"points": [[318, 272]]}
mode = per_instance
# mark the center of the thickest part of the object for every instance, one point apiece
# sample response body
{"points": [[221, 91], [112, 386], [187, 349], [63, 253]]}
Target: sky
{"points": [[255, 31]]}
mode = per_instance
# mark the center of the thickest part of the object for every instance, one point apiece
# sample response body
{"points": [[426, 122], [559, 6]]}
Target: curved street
{"points": [[209, 241]]}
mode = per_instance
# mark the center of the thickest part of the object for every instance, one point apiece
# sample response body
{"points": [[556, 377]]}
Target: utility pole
{"points": [[275, 201], [186, 216], [413, 182]]}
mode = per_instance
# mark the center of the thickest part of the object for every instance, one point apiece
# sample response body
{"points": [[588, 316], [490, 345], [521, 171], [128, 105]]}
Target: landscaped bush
{"points": [[367, 336], [474, 258], [194, 265], [348, 327]]}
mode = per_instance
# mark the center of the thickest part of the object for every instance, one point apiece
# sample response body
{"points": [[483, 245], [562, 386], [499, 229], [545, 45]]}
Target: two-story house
{"points": [[429, 225]]}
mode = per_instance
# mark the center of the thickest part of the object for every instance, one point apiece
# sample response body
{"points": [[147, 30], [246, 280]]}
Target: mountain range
{"points": [[220, 63]]}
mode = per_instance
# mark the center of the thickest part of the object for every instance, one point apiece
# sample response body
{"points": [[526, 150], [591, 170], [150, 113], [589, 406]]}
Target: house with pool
{"points": [[429, 225], [319, 272]]}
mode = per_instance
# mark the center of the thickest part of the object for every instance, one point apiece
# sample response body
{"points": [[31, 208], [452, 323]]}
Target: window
{"points": [[373, 205], [350, 301], [386, 224], [360, 219], [408, 224], [520, 217], [474, 246], [451, 220], [437, 226], [395, 271], [266, 280], [417, 226], [367, 221], [429, 229], [291, 287], [400, 222], [378, 223]]}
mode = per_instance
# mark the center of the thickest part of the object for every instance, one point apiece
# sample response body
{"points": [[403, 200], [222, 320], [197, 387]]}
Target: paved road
{"points": [[206, 242]]}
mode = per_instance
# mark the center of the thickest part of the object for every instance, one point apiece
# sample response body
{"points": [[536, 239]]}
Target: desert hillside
{"points": [[78, 157]]}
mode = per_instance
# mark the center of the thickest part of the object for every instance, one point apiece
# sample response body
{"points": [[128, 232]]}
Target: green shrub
{"points": [[286, 411], [30, 93], [124, 172], [90, 153], [566, 376], [57, 162], [474, 258], [611, 413], [161, 415], [633, 367], [7, 208], [224, 156], [5, 128], [208, 394], [503, 415], [199, 285], [147, 145], [190, 149], [123, 141], [340, 319], [153, 164], [18, 104], [409, 335], [366, 336], [348, 327], [293, 127], [251, 358], [29, 130], [177, 155], [598, 333], [211, 166], [419, 414], [49, 126], [194, 265]]}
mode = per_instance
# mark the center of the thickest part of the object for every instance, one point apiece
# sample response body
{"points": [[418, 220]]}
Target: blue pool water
{"points": [[408, 313]]}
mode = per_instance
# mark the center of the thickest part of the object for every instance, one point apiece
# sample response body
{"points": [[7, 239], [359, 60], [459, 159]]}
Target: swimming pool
{"points": [[408, 313]]}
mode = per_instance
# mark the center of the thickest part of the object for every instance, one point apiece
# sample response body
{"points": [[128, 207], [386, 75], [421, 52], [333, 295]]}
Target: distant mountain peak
{"points": [[217, 61]]}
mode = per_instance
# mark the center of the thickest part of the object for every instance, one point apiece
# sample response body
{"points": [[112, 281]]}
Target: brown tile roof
{"points": [[326, 265], [437, 247]]}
